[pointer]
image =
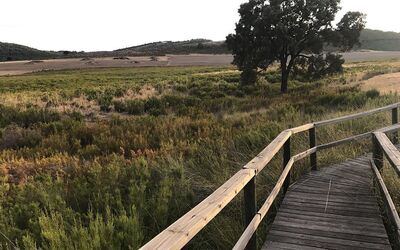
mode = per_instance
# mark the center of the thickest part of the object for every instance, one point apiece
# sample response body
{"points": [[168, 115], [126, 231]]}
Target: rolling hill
{"points": [[201, 46], [13, 52], [370, 40], [380, 40]]}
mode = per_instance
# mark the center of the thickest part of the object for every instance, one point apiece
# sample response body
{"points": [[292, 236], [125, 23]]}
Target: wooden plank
{"points": [[252, 227], [302, 128], [262, 159], [325, 242], [390, 151], [350, 220], [391, 208], [286, 246], [345, 141], [328, 225], [334, 208], [328, 228], [306, 197], [183, 230], [347, 203], [389, 129], [341, 235], [374, 220], [355, 116], [305, 154]]}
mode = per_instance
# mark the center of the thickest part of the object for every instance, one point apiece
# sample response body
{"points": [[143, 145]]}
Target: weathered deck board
{"points": [[333, 208]]}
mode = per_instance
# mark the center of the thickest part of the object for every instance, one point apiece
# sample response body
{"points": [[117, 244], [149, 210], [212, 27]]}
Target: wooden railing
{"points": [[184, 229], [384, 147]]}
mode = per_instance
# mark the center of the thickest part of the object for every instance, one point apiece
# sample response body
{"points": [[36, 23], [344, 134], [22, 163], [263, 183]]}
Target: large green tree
{"points": [[291, 32]]}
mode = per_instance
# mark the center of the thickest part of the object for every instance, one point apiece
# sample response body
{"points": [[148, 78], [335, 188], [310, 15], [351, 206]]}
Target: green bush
{"points": [[135, 107], [154, 106], [14, 137], [372, 94], [120, 106]]}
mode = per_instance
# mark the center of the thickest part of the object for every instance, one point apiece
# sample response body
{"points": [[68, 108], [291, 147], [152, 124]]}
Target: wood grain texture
{"points": [[391, 152], [333, 208]]}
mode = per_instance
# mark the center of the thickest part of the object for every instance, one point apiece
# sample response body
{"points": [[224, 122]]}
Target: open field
{"points": [[107, 158], [23, 67]]}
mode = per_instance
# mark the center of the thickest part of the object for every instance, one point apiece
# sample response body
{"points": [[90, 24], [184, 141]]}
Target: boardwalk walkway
{"points": [[334, 208]]}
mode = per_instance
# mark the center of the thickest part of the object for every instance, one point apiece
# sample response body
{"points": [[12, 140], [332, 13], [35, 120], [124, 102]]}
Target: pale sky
{"points": [[93, 25]]}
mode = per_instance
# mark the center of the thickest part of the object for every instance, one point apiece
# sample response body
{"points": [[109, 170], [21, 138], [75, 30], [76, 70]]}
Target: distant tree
{"points": [[200, 46], [291, 32]]}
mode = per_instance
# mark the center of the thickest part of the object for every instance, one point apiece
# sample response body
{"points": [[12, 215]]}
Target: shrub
{"points": [[135, 107], [372, 94], [105, 101], [120, 106], [154, 106], [14, 137]]}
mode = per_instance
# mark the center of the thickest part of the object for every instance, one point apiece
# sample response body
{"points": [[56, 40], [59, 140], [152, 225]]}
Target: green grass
{"points": [[107, 159]]}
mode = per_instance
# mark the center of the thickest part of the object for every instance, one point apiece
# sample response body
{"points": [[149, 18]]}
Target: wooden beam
{"points": [[356, 116], [389, 129], [262, 159], [313, 143], [286, 158], [250, 207], [252, 227], [391, 152], [183, 230], [344, 141], [395, 120], [391, 208], [302, 128]]}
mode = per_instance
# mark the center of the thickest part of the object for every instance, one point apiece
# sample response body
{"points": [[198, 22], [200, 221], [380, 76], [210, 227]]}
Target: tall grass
{"points": [[116, 176]]}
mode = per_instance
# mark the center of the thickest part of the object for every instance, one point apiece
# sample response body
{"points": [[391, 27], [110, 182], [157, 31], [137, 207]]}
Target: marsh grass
{"points": [[107, 159]]}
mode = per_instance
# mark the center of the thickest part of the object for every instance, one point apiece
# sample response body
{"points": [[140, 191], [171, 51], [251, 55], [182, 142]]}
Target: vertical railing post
{"points": [[286, 158], [313, 143], [395, 120], [377, 153], [250, 206]]}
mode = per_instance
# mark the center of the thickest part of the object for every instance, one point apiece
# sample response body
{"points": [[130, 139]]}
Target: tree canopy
{"points": [[292, 33]]}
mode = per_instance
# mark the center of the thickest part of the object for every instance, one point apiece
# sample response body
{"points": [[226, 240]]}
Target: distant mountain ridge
{"points": [[203, 46], [370, 40], [380, 40]]}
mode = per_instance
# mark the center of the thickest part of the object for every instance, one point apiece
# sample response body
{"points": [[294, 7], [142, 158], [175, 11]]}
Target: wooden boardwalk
{"points": [[334, 208]]}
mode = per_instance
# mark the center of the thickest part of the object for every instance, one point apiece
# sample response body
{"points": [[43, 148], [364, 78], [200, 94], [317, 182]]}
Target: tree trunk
{"points": [[284, 82], [285, 70], [284, 75]]}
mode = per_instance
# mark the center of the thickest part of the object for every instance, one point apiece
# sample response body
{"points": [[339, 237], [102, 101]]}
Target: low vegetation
{"points": [[106, 159]]}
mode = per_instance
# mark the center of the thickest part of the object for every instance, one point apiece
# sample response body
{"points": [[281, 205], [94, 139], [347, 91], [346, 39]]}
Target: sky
{"points": [[94, 25]]}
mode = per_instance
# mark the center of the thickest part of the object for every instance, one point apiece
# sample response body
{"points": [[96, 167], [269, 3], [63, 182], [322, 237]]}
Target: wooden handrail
{"points": [[391, 152], [183, 230], [391, 208], [356, 116]]}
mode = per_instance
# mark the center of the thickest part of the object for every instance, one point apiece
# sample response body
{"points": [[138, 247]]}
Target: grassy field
{"points": [[106, 159]]}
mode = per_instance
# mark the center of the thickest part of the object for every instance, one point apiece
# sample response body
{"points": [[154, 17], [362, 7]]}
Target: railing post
{"points": [[313, 143], [377, 153], [250, 206], [286, 158], [395, 120]]}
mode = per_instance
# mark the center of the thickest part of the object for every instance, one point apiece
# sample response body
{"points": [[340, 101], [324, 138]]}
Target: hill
{"points": [[201, 46], [370, 40], [12, 52], [380, 40]]}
